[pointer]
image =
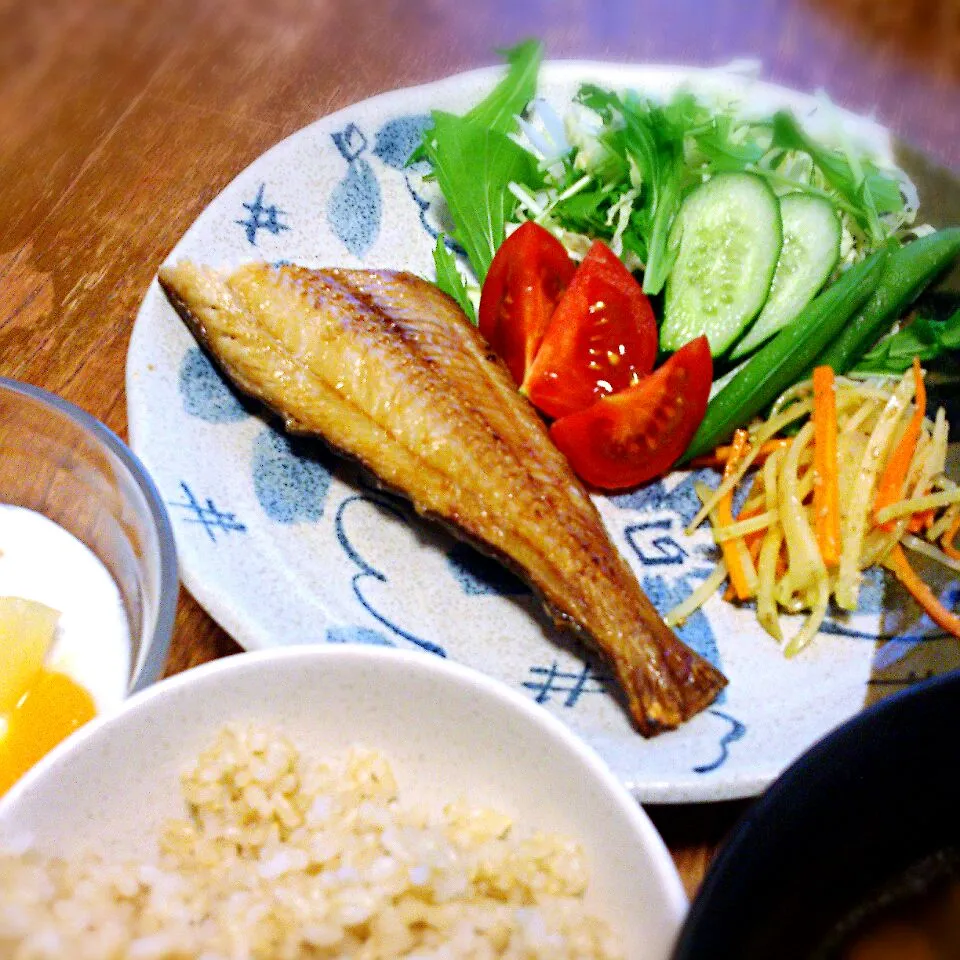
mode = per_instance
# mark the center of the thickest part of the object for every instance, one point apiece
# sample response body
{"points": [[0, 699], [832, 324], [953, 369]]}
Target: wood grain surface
{"points": [[120, 121]]}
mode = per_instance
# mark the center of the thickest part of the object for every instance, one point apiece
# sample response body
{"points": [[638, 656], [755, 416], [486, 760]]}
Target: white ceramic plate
{"points": [[283, 545], [448, 733]]}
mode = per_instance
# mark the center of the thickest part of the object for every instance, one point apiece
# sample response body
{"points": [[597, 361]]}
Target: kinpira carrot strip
{"points": [[935, 610], [731, 555], [921, 521], [948, 538], [826, 478], [890, 487], [753, 542], [721, 455]]}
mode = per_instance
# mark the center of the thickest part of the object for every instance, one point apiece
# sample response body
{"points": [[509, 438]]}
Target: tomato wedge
{"points": [[526, 280], [602, 338], [639, 433]]}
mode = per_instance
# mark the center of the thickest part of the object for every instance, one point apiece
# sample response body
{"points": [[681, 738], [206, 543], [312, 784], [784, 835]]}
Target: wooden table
{"points": [[120, 122]]}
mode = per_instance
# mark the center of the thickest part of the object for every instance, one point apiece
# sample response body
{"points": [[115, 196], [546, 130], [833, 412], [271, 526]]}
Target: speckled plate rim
{"points": [[228, 609]]}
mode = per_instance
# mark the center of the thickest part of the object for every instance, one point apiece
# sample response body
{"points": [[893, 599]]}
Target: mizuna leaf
{"points": [[498, 110], [474, 167], [449, 279]]}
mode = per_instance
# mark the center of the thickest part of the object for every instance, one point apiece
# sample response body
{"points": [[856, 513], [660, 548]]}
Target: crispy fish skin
{"points": [[386, 368]]}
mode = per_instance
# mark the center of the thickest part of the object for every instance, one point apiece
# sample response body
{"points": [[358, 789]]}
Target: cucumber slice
{"points": [[728, 236], [811, 250]]}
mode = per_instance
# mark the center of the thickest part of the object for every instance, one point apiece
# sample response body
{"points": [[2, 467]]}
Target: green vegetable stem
{"points": [[908, 271], [788, 356]]}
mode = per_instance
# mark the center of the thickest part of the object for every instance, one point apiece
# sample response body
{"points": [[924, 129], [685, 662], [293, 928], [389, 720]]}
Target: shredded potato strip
{"points": [[859, 417], [935, 463], [770, 553], [796, 393], [721, 455], [699, 597], [854, 513], [907, 507], [879, 541], [941, 527], [807, 573], [764, 433], [742, 528], [929, 550], [861, 478]]}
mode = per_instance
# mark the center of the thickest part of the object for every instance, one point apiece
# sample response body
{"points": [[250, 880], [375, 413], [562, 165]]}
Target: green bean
{"points": [[908, 271], [783, 360]]}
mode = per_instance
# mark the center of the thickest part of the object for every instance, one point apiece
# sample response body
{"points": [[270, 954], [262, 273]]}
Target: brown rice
{"points": [[285, 859]]}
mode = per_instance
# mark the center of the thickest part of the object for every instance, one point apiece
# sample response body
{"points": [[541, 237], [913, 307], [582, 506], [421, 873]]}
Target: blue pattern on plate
{"points": [[652, 540], [423, 204], [479, 575], [262, 216], [908, 679], [736, 732], [655, 549], [367, 571], [398, 138], [205, 393], [547, 681], [358, 635], [289, 477], [681, 499], [207, 514], [354, 207], [350, 142]]}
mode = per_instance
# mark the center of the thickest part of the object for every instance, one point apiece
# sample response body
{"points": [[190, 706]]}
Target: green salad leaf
{"points": [[867, 191], [925, 338], [642, 160], [474, 160], [509, 98], [449, 279], [474, 167]]}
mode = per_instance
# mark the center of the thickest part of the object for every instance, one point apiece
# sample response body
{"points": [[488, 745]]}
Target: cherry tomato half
{"points": [[527, 277], [639, 433], [602, 338]]}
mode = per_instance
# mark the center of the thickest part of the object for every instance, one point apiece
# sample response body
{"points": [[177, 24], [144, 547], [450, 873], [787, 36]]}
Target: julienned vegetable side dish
{"points": [[781, 270]]}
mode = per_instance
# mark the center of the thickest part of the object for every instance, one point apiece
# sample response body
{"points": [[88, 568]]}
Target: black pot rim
{"points": [[804, 781]]}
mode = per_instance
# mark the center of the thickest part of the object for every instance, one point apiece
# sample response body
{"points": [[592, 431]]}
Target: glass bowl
{"points": [[61, 462]]}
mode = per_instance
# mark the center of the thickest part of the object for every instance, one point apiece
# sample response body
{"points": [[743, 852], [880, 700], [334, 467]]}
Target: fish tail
{"points": [[676, 684]]}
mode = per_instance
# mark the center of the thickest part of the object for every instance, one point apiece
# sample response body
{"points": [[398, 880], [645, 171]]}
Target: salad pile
{"points": [[625, 255]]}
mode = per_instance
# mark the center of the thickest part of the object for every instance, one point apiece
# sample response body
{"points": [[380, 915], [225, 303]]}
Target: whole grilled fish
{"points": [[387, 369]]}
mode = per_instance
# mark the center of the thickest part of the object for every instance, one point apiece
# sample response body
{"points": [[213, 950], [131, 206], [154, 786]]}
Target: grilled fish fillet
{"points": [[387, 369]]}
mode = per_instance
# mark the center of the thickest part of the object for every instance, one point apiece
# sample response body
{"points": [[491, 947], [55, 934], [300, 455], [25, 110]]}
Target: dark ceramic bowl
{"points": [[837, 833]]}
